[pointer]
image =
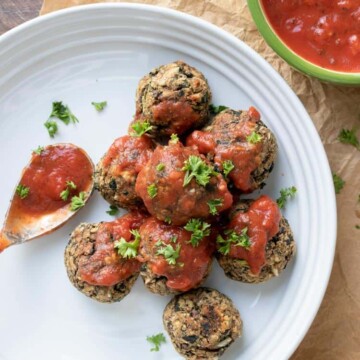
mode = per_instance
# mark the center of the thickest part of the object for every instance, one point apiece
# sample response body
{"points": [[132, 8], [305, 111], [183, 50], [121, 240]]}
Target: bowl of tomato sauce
{"points": [[320, 38]]}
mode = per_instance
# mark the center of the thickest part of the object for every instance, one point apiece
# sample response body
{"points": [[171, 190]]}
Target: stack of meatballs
{"points": [[181, 172]]}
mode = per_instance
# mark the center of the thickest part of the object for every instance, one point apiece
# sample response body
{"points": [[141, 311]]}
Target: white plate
{"points": [[95, 53]]}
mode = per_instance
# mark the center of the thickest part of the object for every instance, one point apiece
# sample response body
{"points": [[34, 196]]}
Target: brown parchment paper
{"points": [[335, 333]]}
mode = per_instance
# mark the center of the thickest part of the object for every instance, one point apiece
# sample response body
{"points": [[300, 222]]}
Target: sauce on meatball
{"points": [[261, 222], [106, 267], [190, 263]]}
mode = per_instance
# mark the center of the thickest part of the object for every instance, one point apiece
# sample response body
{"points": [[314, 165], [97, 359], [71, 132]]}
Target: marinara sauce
{"points": [[46, 177], [262, 222], [325, 32], [193, 262], [105, 267]]}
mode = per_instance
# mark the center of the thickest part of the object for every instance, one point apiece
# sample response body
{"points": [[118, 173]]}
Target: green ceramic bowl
{"points": [[299, 63]]}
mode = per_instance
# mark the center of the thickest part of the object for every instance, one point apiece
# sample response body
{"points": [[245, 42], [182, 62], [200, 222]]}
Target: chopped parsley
{"points": [[113, 210], [156, 340], [196, 168], [52, 127], [22, 191], [64, 195], [286, 193], [254, 138], [152, 190], [217, 109], [140, 128], [213, 204], [174, 139], [63, 113], [168, 219], [227, 166], [128, 249], [233, 238], [338, 183], [39, 150], [170, 254], [99, 106], [199, 229], [78, 202], [160, 167], [349, 137]]}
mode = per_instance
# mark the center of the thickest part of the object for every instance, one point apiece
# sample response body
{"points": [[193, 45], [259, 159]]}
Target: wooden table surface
{"points": [[15, 12]]}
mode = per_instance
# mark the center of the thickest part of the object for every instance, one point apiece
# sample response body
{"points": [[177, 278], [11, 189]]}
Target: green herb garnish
{"points": [[174, 139], [199, 229], [52, 127], [63, 113], [39, 150], [160, 167], [128, 249], [99, 106], [286, 193], [156, 340], [213, 204], [64, 195], [338, 183], [113, 210], [254, 138], [152, 190], [217, 109], [357, 227], [170, 254], [349, 137], [227, 166], [22, 191], [77, 202], [233, 238], [140, 128], [167, 219], [196, 168]]}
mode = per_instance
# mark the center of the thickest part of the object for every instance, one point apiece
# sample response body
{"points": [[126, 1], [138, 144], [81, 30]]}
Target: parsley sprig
{"points": [[156, 340], [64, 195], [39, 150], [128, 249], [113, 210], [140, 128], [213, 204], [338, 183], [99, 106], [285, 194], [347, 136], [196, 168], [52, 127], [77, 202], [199, 229], [152, 190], [63, 113], [170, 254], [217, 109], [22, 191], [254, 138], [174, 139], [233, 238], [227, 166]]}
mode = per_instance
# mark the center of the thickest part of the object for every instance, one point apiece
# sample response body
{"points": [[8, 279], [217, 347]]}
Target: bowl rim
{"points": [[291, 57]]}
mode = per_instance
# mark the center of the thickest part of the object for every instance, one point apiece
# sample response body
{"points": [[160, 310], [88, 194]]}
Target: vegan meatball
{"points": [[173, 98], [116, 172], [178, 184], [240, 145], [176, 259], [202, 323], [97, 261], [258, 242]]}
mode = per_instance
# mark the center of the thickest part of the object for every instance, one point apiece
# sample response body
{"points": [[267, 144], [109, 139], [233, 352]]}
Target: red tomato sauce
{"points": [[262, 222], [193, 262], [46, 178], [105, 267], [128, 153], [325, 32]]}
